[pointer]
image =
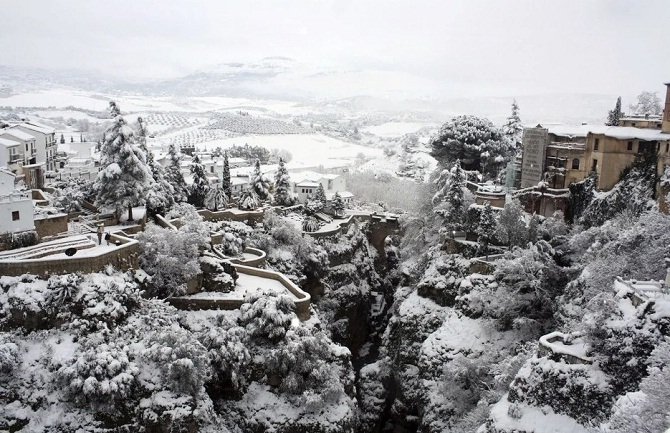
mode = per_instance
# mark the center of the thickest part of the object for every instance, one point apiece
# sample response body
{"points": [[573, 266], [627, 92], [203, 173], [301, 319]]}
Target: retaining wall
{"points": [[248, 216], [51, 225], [123, 258]]}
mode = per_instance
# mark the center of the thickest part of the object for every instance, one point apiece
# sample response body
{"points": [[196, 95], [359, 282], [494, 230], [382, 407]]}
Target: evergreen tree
{"points": [[260, 182], [511, 225], [225, 179], [125, 176], [200, 186], [320, 196], [454, 195], [283, 194], [249, 200], [216, 199], [478, 143], [62, 137], [175, 177], [513, 128], [614, 116], [338, 204], [160, 196], [486, 229]]}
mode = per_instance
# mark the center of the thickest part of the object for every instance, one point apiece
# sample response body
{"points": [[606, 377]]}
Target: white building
{"points": [[45, 142], [305, 184], [11, 156], [85, 168], [16, 207], [28, 167]]}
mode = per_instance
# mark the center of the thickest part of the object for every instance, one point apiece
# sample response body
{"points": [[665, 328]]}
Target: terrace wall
{"points": [[51, 225], [123, 258]]}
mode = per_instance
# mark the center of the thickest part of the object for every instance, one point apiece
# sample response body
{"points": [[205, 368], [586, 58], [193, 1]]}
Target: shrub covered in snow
{"points": [[267, 315], [101, 375]]}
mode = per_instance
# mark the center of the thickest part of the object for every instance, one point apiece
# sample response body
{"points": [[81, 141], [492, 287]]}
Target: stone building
{"points": [[561, 155]]}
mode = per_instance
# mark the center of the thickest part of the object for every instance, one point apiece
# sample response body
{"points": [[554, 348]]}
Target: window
{"points": [[575, 164], [26, 146], [633, 124], [667, 147], [330, 183], [15, 215], [630, 145], [596, 144], [211, 169], [594, 167]]}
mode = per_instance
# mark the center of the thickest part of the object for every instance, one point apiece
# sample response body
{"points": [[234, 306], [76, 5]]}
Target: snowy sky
{"points": [[454, 48]]}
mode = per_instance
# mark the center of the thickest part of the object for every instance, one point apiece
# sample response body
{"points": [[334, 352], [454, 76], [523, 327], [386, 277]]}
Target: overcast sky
{"points": [[455, 47]]}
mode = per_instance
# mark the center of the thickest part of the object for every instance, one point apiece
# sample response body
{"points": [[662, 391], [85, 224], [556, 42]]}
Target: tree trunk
{"points": [[130, 212]]}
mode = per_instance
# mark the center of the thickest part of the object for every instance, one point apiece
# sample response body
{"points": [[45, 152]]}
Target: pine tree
{"points": [[249, 200], [225, 179], [200, 186], [533, 228], [338, 204], [283, 194], [454, 195], [175, 177], [125, 176], [320, 195], [614, 116], [216, 199], [511, 225], [62, 137], [260, 182], [513, 129], [160, 196], [486, 229]]}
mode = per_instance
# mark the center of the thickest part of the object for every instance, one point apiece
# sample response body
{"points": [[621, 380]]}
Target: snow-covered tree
{"points": [[260, 182], [486, 229], [249, 200], [511, 225], [175, 177], [310, 224], [200, 186], [170, 258], [125, 176], [320, 195], [338, 205], [225, 179], [648, 103], [450, 199], [283, 193], [216, 198], [513, 128], [476, 142], [266, 314], [614, 116], [160, 196]]}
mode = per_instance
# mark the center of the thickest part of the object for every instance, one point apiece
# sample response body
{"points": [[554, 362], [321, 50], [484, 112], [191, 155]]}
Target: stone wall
{"points": [[51, 225], [250, 217], [123, 258]]}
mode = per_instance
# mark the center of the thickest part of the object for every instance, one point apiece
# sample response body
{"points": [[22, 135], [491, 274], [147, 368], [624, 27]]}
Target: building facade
{"points": [[16, 207]]}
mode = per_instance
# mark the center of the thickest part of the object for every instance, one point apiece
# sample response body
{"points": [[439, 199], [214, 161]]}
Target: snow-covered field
{"points": [[396, 129], [308, 150]]}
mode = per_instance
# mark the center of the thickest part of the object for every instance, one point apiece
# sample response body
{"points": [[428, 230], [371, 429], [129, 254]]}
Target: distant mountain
{"points": [[324, 89]]}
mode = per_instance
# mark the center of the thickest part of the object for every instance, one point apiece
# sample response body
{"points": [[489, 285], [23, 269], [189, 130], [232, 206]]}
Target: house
{"points": [[11, 156], [28, 167], [562, 155], [16, 207], [78, 167], [46, 145], [305, 184]]}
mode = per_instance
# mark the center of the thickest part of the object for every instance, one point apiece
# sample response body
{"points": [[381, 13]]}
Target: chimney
{"points": [[666, 111]]}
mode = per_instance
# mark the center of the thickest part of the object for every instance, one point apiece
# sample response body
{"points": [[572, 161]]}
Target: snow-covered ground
{"points": [[396, 129]]}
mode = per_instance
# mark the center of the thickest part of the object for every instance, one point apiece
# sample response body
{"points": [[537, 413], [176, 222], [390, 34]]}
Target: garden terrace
{"points": [[249, 280], [49, 258], [570, 348]]}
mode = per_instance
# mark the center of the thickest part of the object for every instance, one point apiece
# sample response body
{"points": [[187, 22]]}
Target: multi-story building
{"points": [[45, 142], [28, 167], [563, 155]]}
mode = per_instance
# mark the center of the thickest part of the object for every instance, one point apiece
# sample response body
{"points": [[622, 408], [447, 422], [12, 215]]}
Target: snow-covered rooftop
{"points": [[618, 132], [311, 176], [8, 143], [38, 127], [17, 134]]}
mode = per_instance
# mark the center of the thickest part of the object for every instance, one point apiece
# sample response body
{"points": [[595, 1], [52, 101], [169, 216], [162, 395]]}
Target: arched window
{"points": [[575, 164]]}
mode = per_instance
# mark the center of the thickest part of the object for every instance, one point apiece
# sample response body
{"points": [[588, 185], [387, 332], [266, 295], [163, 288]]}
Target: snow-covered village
{"points": [[335, 217]]}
